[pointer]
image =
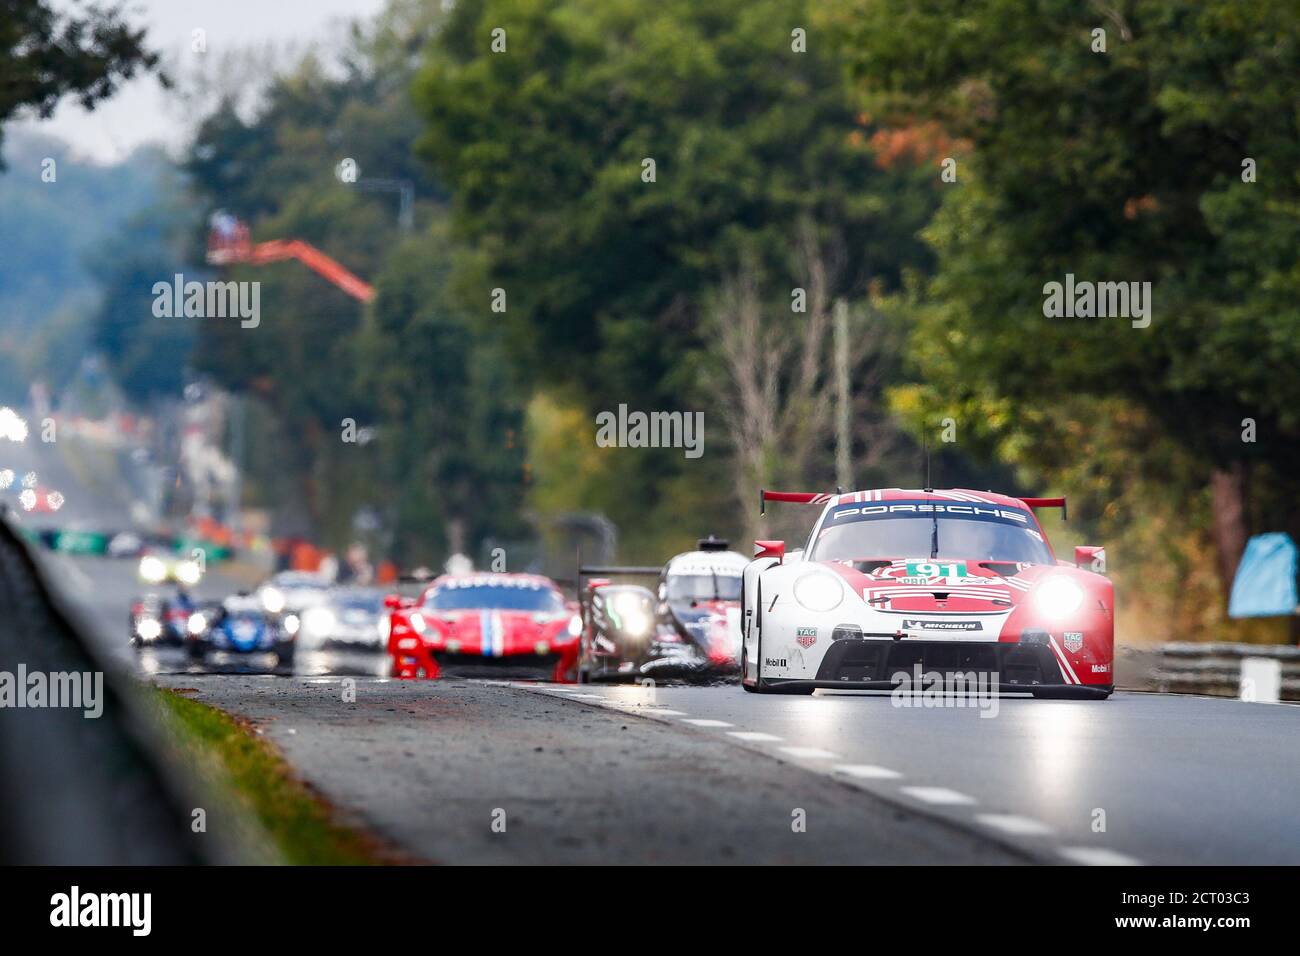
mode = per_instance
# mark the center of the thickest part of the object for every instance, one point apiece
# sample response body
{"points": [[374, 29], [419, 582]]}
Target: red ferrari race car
{"points": [[485, 625], [896, 586]]}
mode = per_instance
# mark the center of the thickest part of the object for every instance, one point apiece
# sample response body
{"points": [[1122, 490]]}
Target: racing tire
{"points": [[284, 655], [197, 650]]}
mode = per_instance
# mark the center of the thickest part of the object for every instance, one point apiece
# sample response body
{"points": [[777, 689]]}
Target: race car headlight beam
{"points": [[152, 569], [188, 572], [318, 621], [273, 600], [1058, 597]]}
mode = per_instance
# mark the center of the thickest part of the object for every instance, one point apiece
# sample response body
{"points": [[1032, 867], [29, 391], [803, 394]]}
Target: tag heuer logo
{"points": [[805, 636], [1074, 641]]}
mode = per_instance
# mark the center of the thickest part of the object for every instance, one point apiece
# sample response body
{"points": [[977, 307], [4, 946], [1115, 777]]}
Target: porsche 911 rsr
{"points": [[897, 584], [499, 625]]}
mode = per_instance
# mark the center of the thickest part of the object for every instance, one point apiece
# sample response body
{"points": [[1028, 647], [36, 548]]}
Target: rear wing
{"points": [[616, 570], [796, 497], [1049, 503]]}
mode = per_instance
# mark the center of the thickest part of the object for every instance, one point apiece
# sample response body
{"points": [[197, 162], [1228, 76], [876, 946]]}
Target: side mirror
{"points": [[1090, 558], [392, 601], [769, 549]]}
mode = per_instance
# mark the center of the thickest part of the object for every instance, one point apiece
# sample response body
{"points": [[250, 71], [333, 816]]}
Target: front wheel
{"points": [[284, 654]]}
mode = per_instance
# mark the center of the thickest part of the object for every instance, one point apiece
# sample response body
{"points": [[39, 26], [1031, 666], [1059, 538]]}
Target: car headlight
{"points": [[1057, 597], [149, 629], [152, 569], [630, 615], [197, 623], [575, 625], [291, 624], [819, 591], [273, 600], [187, 572], [318, 621], [417, 622]]}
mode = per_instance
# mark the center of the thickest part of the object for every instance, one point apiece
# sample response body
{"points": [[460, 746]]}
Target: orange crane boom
{"points": [[231, 242]]}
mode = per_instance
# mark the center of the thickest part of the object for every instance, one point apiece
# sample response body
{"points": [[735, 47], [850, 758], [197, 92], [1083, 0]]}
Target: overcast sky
{"points": [[140, 111]]}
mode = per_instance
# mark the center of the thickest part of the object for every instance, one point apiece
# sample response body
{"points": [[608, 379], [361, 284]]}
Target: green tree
{"points": [[1128, 165], [608, 275], [46, 54]]}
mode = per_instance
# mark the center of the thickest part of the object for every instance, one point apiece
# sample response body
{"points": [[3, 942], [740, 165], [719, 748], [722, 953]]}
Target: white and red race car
{"points": [[897, 584], [484, 624]]}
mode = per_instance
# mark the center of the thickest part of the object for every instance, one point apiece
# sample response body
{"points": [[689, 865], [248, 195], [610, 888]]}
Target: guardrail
{"points": [[80, 783], [1220, 669]]}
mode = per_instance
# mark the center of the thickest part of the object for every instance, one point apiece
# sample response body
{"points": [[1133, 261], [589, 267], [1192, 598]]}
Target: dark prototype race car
{"points": [[693, 629], [240, 625], [158, 619]]}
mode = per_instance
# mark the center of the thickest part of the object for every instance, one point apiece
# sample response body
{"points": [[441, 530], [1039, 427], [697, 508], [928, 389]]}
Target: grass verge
{"points": [[227, 754]]}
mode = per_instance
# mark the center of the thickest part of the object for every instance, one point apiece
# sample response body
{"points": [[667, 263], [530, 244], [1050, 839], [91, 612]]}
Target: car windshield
{"points": [[370, 603], [906, 529], [513, 597], [704, 587]]}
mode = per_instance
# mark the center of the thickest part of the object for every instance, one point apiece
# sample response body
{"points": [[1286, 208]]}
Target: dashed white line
{"points": [[1096, 856], [866, 771], [755, 736], [1015, 825], [809, 753], [704, 722], [939, 796]]}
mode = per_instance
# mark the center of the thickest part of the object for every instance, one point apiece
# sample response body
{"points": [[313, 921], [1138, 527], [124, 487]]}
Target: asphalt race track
{"points": [[695, 774]]}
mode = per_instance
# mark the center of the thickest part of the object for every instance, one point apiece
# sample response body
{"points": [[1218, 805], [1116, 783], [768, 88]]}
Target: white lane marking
{"points": [[939, 796], [665, 713], [865, 771], [587, 696], [702, 722], [1096, 856], [1015, 825], [809, 753], [752, 735]]}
